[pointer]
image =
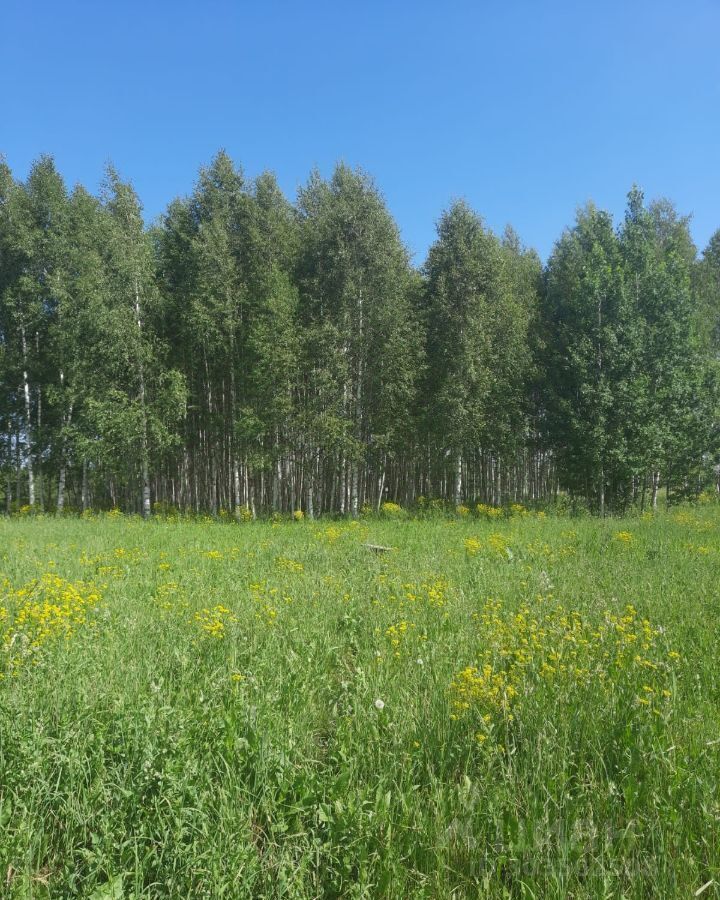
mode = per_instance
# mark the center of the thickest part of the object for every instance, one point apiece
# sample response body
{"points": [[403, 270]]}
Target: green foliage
{"points": [[361, 338], [480, 301], [629, 389], [249, 353]]}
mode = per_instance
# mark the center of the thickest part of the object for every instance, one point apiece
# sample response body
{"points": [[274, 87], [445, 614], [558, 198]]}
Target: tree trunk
{"points": [[28, 423], [655, 485], [381, 487], [61, 489], [354, 487], [63, 462], [309, 485], [84, 485], [145, 464], [458, 480]]}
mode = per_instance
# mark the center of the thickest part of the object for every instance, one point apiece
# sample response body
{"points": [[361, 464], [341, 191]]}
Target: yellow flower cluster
{"points": [[290, 565], [497, 543], [547, 647], [114, 565], [490, 512], [687, 520], [390, 509], [396, 634], [542, 550], [169, 597], [432, 591], [213, 620], [699, 549], [265, 599], [492, 689], [43, 610], [624, 537]]}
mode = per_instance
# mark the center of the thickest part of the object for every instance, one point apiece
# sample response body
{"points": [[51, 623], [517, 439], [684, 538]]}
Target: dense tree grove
{"points": [[247, 355]]}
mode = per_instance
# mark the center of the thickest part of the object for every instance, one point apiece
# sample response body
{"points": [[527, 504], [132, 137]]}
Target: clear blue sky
{"points": [[525, 109]]}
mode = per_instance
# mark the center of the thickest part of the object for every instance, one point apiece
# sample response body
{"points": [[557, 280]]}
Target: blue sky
{"points": [[525, 109]]}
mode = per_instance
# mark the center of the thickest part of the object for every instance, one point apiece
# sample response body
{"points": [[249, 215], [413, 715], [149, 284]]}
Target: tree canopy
{"points": [[247, 354]]}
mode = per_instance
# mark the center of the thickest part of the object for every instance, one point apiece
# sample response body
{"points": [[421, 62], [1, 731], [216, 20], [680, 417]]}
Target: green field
{"points": [[503, 706]]}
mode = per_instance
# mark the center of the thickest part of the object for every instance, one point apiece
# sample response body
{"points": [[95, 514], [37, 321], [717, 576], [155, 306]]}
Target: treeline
{"points": [[247, 354]]}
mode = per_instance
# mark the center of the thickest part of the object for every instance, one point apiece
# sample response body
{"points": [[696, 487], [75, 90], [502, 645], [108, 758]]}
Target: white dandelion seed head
{"points": [[379, 704]]}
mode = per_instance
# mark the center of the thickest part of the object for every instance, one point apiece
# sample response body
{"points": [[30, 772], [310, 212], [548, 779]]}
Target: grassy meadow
{"points": [[515, 705]]}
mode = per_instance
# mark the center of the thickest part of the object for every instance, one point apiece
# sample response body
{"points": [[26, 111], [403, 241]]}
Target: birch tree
{"points": [[140, 407], [479, 305], [361, 339], [585, 318]]}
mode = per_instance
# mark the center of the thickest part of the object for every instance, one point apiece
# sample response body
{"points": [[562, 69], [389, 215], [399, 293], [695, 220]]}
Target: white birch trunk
{"points": [[144, 448], [61, 490], [381, 488], [354, 479], [84, 485], [655, 485], [236, 488], [458, 480], [63, 461], [309, 487], [28, 423]]}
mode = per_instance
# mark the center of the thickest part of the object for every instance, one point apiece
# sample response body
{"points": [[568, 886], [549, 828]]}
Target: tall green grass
{"points": [[266, 710]]}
